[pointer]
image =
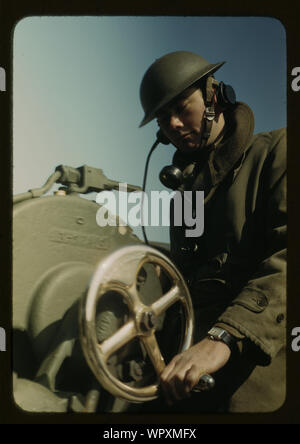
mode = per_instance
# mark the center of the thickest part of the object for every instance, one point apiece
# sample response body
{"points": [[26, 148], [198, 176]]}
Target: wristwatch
{"points": [[219, 334]]}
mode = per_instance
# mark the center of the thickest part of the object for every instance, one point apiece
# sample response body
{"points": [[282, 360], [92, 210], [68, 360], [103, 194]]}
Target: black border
{"points": [[10, 13]]}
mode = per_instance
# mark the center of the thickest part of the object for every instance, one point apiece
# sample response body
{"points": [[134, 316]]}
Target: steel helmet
{"points": [[169, 76]]}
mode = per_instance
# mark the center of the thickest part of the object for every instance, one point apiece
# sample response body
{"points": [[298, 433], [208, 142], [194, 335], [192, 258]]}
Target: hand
{"points": [[185, 370]]}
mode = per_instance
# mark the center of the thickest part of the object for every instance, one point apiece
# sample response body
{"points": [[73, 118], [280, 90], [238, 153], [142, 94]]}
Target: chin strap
{"points": [[209, 113]]}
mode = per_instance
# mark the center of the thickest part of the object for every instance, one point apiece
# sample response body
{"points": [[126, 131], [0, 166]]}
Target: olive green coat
{"points": [[236, 270]]}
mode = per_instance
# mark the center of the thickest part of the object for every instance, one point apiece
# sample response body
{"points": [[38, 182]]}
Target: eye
{"points": [[181, 107], [161, 118]]}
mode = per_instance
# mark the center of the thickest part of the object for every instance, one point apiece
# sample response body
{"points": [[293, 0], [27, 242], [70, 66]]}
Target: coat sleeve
{"points": [[259, 310]]}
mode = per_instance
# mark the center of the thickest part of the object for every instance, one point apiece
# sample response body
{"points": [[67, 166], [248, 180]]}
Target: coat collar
{"points": [[230, 150], [214, 166]]}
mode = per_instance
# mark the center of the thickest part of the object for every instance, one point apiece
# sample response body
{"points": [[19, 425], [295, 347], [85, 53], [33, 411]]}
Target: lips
{"points": [[182, 136]]}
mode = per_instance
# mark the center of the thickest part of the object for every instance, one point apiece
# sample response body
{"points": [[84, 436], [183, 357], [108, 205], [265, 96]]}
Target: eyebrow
{"points": [[187, 92]]}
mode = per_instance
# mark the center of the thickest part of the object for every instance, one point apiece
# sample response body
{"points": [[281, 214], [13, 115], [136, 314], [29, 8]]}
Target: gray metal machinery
{"points": [[94, 308]]}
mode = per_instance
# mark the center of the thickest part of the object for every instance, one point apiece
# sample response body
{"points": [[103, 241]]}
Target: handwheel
{"points": [[118, 273]]}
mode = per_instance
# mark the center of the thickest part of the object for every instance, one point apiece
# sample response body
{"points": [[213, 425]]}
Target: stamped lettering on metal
{"points": [[78, 239]]}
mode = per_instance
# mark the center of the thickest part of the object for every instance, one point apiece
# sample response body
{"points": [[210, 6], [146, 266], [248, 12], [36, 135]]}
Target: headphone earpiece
{"points": [[225, 95]]}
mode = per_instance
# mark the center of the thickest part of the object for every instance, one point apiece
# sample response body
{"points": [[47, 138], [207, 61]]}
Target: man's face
{"points": [[182, 120]]}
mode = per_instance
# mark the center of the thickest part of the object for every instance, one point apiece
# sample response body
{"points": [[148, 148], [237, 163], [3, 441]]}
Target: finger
{"points": [[165, 382], [193, 376], [167, 371], [181, 390], [174, 384], [173, 391], [167, 391]]}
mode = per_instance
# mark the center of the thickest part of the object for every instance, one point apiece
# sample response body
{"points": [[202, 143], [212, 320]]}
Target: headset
{"points": [[171, 176]]}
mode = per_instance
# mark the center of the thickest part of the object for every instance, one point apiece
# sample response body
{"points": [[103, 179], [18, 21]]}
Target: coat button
{"points": [[280, 318], [262, 301]]}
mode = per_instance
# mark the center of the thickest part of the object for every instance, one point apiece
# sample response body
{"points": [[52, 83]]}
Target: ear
{"points": [[218, 108], [215, 96]]}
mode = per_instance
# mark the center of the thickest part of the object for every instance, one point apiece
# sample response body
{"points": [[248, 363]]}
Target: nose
{"points": [[175, 122]]}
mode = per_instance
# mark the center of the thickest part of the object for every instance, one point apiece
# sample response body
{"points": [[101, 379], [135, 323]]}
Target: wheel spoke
{"points": [[154, 353], [163, 303], [122, 336], [124, 270], [134, 299]]}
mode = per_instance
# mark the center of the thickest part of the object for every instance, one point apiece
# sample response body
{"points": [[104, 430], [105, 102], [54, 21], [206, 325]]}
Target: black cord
{"points": [[144, 187]]}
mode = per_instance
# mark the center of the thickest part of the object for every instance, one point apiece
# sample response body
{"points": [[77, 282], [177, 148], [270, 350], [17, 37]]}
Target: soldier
{"points": [[236, 270]]}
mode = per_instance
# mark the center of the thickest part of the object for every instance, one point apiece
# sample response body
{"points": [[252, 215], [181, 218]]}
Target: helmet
{"points": [[169, 76]]}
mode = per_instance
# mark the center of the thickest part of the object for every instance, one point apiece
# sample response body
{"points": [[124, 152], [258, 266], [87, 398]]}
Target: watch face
{"points": [[217, 333]]}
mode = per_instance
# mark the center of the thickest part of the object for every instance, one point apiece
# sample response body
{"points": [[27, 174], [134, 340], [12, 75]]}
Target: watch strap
{"points": [[219, 334]]}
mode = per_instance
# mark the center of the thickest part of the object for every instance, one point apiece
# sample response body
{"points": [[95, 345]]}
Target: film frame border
{"points": [[10, 14]]}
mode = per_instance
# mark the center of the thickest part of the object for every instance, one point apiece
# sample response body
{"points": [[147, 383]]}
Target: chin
{"points": [[188, 147]]}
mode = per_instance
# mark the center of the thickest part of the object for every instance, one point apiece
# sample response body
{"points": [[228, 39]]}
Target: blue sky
{"points": [[76, 88]]}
